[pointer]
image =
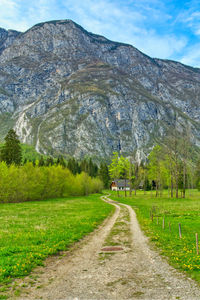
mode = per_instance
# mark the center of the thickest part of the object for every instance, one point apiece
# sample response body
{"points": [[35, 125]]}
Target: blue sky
{"points": [[160, 28]]}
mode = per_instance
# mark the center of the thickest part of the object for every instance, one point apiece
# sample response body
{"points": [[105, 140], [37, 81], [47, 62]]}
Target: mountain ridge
{"points": [[66, 90]]}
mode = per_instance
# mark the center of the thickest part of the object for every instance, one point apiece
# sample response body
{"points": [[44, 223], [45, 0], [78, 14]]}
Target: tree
{"points": [[84, 166], [120, 168], [114, 168], [49, 161], [177, 151], [157, 170], [131, 176], [184, 151], [197, 173], [144, 177], [136, 178], [73, 166], [92, 168], [41, 162], [60, 161], [104, 175], [124, 167], [11, 152]]}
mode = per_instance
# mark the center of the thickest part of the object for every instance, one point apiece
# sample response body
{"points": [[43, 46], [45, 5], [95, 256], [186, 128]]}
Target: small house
{"points": [[120, 185]]}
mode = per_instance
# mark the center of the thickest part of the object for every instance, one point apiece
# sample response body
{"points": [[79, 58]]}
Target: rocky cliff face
{"points": [[68, 91], [7, 37]]}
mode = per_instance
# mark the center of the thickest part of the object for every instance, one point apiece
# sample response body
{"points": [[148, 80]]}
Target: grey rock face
{"points": [[73, 92], [7, 37]]}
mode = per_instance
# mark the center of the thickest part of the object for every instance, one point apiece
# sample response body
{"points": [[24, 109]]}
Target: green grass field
{"points": [[181, 252], [31, 231]]}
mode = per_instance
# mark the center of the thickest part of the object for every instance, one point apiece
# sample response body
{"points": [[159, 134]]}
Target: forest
{"points": [[173, 166]]}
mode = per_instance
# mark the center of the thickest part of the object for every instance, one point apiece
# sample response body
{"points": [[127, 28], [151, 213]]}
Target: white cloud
{"points": [[124, 21], [21, 14], [192, 56], [188, 17], [197, 31], [161, 47], [191, 18], [8, 10], [121, 23]]}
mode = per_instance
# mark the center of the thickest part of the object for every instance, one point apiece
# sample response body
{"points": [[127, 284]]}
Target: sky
{"points": [[168, 29]]}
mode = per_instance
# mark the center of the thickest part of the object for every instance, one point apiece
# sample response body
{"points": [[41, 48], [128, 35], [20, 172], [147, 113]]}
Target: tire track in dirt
{"points": [[137, 272], [58, 276]]}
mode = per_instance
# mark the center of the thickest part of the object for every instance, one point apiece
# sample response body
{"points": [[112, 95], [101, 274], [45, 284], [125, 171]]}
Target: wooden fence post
{"points": [[179, 226], [163, 224], [197, 243], [152, 216]]}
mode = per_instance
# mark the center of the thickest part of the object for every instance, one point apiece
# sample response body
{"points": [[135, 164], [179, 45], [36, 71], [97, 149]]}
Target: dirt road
{"points": [[134, 272]]}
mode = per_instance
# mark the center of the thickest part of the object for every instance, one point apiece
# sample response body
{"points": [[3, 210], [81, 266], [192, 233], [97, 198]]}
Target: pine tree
{"points": [[60, 161], [73, 166], [84, 166], [49, 161], [104, 175], [41, 162], [11, 151], [92, 168]]}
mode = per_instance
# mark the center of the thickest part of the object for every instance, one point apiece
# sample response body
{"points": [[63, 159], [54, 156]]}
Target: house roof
{"points": [[121, 183]]}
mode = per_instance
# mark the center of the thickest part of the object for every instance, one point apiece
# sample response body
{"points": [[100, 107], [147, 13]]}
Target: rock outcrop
{"points": [[69, 91]]}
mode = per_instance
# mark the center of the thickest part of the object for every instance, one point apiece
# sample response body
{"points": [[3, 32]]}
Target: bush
{"points": [[28, 182]]}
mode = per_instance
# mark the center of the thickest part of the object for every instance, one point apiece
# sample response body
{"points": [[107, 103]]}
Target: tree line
{"points": [[11, 153], [168, 166], [44, 178]]}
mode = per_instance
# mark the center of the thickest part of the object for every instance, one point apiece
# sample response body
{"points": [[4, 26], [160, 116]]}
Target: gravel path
{"points": [[136, 272]]}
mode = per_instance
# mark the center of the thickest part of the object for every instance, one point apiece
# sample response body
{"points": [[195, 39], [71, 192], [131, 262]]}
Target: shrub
{"points": [[29, 182]]}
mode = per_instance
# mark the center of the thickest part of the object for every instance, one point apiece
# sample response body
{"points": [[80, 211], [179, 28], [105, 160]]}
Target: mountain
{"points": [[7, 37], [68, 91]]}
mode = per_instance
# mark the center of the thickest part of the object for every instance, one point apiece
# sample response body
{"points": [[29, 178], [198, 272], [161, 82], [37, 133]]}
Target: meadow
{"points": [[180, 252], [31, 231]]}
